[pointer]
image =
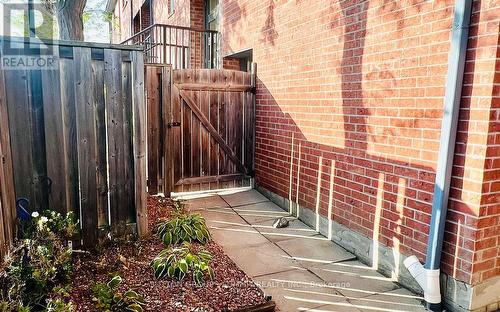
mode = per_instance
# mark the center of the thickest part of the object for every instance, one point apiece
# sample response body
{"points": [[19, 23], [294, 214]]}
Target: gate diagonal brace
{"points": [[204, 121]]}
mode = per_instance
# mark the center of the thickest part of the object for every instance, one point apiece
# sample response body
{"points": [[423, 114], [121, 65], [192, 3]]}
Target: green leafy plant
{"points": [[108, 297], [177, 262], [184, 228], [59, 305], [50, 225], [39, 265]]}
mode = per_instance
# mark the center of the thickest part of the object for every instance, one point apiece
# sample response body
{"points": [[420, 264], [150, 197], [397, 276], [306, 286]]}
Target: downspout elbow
{"points": [[428, 280]]}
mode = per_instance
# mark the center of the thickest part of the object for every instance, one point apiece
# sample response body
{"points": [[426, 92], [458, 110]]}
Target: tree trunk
{"points": [[70, 19]]}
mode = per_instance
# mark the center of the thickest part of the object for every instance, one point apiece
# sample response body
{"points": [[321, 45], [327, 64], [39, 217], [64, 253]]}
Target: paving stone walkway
{"points": [[301, 269]]}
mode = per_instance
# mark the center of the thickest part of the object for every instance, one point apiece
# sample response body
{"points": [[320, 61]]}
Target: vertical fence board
{"points": [[223, 160], [16, 83], [248, 126], [3, 237], [186, 116], [153, 113], [102, 163], [177, 134], [87, 149], [139, 139], [195, 133], [238, 121], [205, 138], [39, 173], [214, 121], [127, 200], [67, 81], [7, 195], [54, 139], [114, 108], [168, 117]]}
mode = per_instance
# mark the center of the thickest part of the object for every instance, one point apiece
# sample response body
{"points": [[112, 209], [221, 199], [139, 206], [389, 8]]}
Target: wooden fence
{"points": [[201, 129], [78, 135]]}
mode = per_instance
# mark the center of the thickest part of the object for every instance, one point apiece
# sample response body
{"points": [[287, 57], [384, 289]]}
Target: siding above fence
{"points": [[73, 133]]}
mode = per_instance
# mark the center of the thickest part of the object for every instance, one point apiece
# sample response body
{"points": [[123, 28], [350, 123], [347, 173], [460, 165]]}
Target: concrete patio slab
{"points": [[263, 207], [244, 198], [300, 290], [341, 306], [222, 217], [204, 202], [313, 252], [262, 259], [237, 237], [301, 269], [394, 300], [354, 279], [255, 218], [261, 212], [296, 229]]}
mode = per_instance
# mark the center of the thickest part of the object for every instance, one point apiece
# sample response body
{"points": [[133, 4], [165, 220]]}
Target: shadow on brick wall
{"points": [[381, 197]]}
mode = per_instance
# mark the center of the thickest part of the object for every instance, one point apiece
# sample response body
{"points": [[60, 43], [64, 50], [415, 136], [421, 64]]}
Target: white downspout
{"points": [[428, 277]]}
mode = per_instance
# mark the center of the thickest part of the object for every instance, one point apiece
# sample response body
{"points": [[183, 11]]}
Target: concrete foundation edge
{"points": [[458, 296]]}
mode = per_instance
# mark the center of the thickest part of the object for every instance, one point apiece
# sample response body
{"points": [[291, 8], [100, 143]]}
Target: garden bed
{"points": [[230, 290]]}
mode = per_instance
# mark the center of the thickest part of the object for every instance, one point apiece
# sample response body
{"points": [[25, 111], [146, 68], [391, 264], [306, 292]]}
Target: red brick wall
{"points": [[486, 262], [360, 85], [231, 63], [197, 21], [123, 15], [145, 16], [187, 13]]}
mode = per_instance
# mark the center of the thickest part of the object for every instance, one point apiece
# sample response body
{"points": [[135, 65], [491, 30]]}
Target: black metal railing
{"points": [[182, 47]]}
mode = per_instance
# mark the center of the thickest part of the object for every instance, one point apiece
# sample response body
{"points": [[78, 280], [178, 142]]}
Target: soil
{"points": [[230, 290]]}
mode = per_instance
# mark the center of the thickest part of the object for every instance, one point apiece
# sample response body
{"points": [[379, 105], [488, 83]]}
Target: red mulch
{"points": [[230, 290]]}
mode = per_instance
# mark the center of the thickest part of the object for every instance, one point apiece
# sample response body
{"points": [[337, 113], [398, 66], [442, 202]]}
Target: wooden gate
{"points": [[208, 118]]}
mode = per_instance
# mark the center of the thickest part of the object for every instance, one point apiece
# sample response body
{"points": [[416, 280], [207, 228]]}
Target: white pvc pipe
{"points": [[427, 279]]}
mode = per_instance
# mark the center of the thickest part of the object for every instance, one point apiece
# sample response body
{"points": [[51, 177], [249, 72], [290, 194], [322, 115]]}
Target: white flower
{"points": [[44, 219], [35, 214]]}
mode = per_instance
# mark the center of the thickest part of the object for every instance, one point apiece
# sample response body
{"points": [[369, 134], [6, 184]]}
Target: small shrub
{"points": [[109, 298], [59, 305], [179, 261], [50, 225], [39, 265], [184, 228]]}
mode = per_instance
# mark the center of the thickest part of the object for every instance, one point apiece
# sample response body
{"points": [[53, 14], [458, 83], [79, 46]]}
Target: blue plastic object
{"points": [[22, 209]]}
